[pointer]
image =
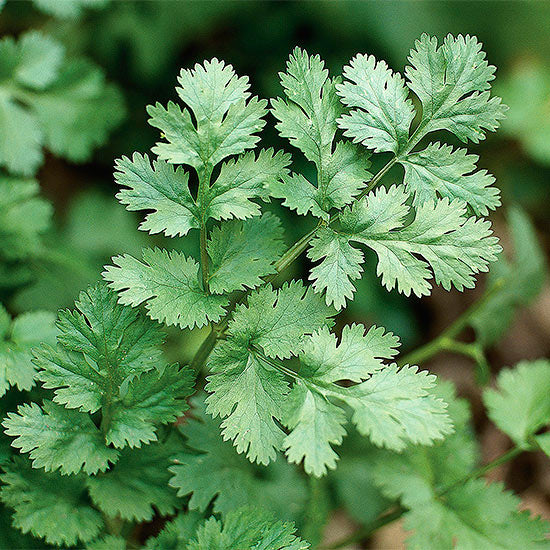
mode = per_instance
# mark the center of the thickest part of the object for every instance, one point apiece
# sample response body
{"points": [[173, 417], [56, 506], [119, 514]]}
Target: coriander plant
{"points": [[283, 405]]}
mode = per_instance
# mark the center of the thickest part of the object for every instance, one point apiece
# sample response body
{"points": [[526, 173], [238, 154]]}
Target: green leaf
{"points": [[24, 217], [226, 123], [59, 438], [475, 515], [170, 286], [109, 542], [345, 174], [453, 82], [247, 528], [308, 120], [156, 397], [471, 514], [381, 111], [521, 280], [391, 406], [49, 506], [244, 252], [241, 181], [100, 345], [137, 485], [439, 237], [176, 533], [161, 189], [49, 101], [520, 404], [107, 358], [17, 338], [212, 469], [249, 394], [277, 320], [440, 171]]}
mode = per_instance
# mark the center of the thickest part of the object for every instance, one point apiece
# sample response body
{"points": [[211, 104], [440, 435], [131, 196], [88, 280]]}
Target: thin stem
{"points": [[204, 350], [366, 531], [204, 257], [446, 339], [376, 179]]}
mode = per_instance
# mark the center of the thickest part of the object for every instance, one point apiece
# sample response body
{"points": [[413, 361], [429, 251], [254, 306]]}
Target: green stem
{"points": [[367, 531], [204, 350], [376, 179], [446, 340], [204, 185], [204, 257]]}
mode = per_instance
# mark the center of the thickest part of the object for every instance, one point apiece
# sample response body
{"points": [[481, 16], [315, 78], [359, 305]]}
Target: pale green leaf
{"points": [[440, 171], [169, 285], [244, 252], [382, 113], [249, 528], [453, 82], [226, 123], [159, 189], [520, 404]]}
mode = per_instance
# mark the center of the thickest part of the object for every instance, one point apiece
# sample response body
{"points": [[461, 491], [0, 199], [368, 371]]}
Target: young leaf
{"points": [[247, 528], [226, 123], [520, 405], [453, 246], [453, 82], [170, 286], [17, 338], [161, 189], [277, 320], [308, 120], [244, 252], [440, 171], [49, 506], [382, 113], [391, 406], [137, 485]]}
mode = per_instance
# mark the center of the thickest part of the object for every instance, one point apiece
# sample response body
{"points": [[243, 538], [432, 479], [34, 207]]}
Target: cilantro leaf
{"points": [[169, 284], [247, 528], [17, 338], [68, 9], [453, 82], [49, 506], [519, 405], [59, 438], [137, 483], [471, 514], [277, 320], [440, 171], [175, 533], [107, 358], [226, 123], [47, 100], [244, 252], [159, 188], [391, 406], [108, 542], [308, 120], [212, 469], [382, 113], [453, 246]]}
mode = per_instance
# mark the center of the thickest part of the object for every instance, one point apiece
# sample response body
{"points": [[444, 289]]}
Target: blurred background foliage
{"points": [[128, 54]]}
